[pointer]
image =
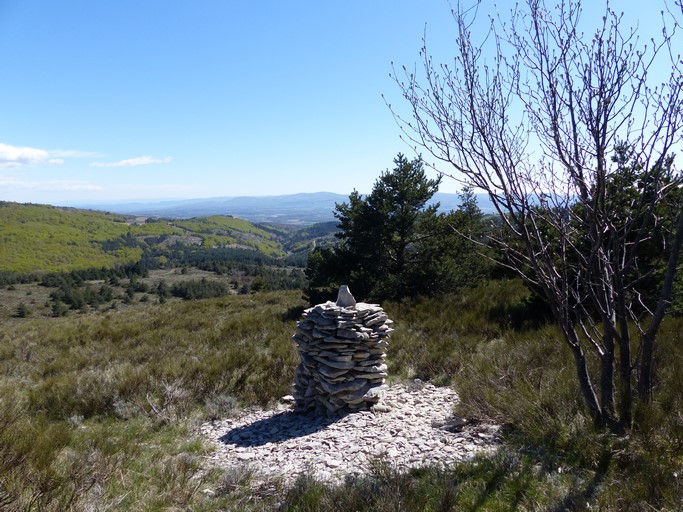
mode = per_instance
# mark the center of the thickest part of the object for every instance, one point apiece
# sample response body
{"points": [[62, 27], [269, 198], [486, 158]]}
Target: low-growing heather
{"points": [[94, 410], [97, 411]]}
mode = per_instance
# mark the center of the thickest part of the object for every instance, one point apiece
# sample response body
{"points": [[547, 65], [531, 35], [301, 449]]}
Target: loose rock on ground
{"points": [[413, 426]]}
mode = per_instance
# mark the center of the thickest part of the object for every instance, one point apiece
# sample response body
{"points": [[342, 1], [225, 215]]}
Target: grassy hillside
{"points": [[39, 238], [220, 231], [97, 411], [47, 239]]}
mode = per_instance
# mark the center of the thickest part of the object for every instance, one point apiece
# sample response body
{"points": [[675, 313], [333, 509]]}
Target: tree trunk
{"points": [[607, 382], [649, 336], [626, 391], [584, 377], [624, 342]]}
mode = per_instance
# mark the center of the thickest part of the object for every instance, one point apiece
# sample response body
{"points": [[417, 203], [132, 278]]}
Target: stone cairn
{"points": [[343, 348]]}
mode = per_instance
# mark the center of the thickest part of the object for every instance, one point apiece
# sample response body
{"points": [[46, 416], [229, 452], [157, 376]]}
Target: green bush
{"points": [[22, 311], [199, 289]]}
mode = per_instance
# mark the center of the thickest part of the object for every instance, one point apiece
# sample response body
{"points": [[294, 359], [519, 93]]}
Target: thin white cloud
{"points": [[20, 156], [73, 153], [16, 156], [14, 182], [133, 162]]}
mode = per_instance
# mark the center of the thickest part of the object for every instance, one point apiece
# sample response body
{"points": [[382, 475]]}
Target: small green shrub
{"points": [[22, 311]]}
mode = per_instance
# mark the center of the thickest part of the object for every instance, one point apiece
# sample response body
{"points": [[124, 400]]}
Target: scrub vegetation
{"points": [[98, 410], [105, 374]]}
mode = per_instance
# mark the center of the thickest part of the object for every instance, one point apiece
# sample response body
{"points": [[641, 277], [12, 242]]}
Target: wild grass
{"points": [[433, 334], [97, 411], [505, 481]]}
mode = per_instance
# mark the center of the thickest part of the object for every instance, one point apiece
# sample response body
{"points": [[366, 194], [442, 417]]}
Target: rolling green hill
{"points": [[37, 238], [43, 239], [221, 231]]}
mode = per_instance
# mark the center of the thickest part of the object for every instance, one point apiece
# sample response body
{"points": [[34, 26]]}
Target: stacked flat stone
{"points": [[343, 348]]}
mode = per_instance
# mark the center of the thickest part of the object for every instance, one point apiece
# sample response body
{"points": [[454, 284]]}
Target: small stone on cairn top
{"points": [[343, 348], [344, 297]]}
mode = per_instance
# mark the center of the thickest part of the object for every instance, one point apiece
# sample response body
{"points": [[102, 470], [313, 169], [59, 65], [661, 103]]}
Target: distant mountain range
{"points": [[292, 209]]}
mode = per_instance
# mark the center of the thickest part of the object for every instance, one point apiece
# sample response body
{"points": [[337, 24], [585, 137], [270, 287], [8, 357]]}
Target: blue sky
{"points": [[130, 99]]}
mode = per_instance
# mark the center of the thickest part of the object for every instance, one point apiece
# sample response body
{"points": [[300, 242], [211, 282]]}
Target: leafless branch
{"points": [[547, 127]]}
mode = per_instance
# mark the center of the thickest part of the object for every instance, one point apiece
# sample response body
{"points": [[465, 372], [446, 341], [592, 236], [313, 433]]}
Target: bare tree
{"points": [[570, 138]]}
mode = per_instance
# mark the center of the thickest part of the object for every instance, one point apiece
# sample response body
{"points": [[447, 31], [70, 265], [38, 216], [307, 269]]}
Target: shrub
{"points": [[199, 289], [22, 311]]}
